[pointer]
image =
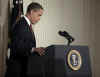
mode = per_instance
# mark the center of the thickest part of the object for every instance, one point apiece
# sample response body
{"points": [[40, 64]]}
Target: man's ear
{"points": [[31, 11]]}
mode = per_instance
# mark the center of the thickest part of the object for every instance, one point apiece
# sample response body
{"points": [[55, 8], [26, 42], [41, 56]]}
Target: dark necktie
{"points": [[31, 28], [33, 35]]}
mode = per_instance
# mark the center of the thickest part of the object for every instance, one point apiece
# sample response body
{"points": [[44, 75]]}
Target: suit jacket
{"points": [[23, 39]]}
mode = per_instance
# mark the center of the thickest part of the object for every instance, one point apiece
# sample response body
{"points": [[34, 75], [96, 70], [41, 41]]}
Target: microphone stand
{"points": [[70, 40]]}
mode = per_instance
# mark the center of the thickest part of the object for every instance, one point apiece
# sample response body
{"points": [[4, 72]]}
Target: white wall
{"points": [[73, 19], [69, 15], [77, 18]]}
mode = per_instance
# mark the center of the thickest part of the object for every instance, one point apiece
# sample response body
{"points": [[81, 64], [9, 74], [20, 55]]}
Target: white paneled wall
{"points": [[70, 15]]}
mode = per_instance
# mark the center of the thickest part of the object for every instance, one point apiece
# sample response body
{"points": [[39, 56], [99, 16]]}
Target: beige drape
{"points": [[3, 34]]}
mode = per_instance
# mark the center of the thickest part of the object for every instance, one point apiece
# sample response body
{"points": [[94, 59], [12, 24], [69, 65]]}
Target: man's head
{"points": [[34, 12]]}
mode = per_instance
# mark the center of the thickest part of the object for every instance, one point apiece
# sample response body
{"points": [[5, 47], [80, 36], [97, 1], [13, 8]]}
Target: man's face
{"points": [[35, 16]]}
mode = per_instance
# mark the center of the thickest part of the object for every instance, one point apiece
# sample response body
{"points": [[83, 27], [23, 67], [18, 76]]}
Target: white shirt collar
{"points": [[28, 21]]}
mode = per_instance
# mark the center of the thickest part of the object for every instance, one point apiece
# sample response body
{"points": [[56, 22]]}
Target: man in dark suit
{"points": [[23, 42]]}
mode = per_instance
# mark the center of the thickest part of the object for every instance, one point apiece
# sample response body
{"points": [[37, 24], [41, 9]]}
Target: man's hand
{"points": [[40, 50]]}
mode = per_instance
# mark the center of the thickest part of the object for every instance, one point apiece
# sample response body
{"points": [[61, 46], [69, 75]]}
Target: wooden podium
{"points": [[61, 61]]}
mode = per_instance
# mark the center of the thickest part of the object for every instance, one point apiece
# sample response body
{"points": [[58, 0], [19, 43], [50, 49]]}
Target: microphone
{"points": [[67, 36]]}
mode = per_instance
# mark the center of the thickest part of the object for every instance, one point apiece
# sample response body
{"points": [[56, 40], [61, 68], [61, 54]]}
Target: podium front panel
{"points": [[55, 62]]}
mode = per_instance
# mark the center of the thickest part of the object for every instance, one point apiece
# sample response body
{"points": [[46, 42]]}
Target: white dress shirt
{"points": [[28, 21]]}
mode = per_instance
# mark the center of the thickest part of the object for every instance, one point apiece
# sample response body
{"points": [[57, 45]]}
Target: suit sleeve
{"points": [[22, 41]]}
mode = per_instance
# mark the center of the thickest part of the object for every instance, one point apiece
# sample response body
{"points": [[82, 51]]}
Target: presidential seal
{"points": [[74, 60]]}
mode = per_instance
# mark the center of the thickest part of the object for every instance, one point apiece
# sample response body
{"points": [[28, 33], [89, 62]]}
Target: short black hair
{"points": [[34, 6]]}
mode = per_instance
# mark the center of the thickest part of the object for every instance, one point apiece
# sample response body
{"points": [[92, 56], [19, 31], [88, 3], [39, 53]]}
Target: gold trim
{"points": [[80, 60]]}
